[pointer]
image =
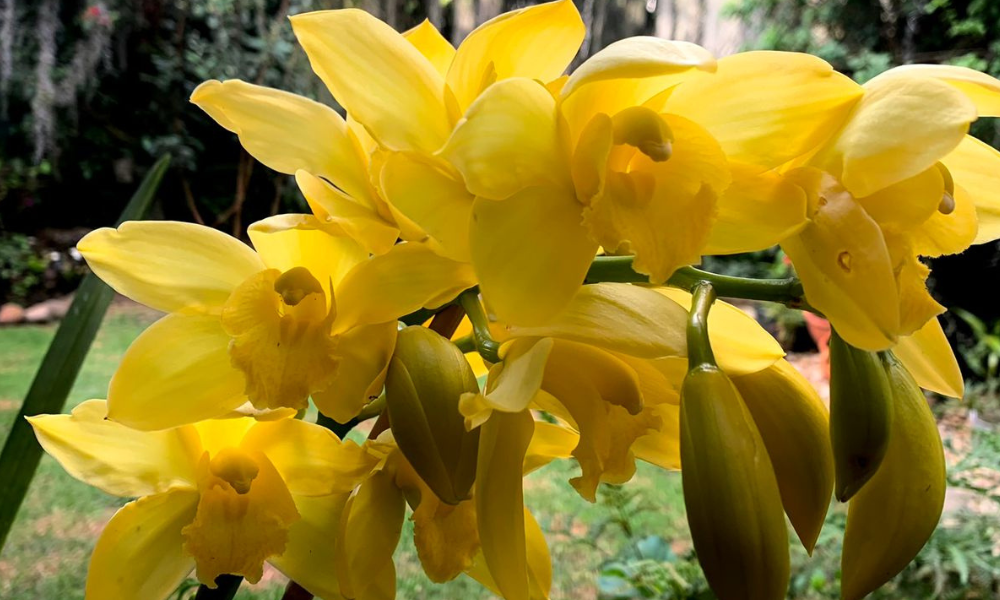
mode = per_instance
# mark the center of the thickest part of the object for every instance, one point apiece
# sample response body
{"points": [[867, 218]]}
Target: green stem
{"points": [[699, 346], [786, 291], [226, 588], [58, 371], [372, 409], [466, 343], [487, 347], [615, 269]]}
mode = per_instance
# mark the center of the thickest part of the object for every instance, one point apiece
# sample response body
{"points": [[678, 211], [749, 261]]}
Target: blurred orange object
{"points": [[819, 331]]}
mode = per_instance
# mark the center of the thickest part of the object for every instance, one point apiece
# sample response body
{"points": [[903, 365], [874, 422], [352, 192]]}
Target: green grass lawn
{"points": [[46, 554], [55, 531]]}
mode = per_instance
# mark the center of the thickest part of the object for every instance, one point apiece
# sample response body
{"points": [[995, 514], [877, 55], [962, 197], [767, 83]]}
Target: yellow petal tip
{"points": [[203, 90]]}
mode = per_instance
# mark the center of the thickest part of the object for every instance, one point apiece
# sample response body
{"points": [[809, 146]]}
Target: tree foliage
{"points": [[864, 38]]}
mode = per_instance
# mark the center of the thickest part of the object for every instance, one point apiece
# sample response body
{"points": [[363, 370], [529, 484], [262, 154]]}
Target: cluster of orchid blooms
{"points": [[498, 272]]}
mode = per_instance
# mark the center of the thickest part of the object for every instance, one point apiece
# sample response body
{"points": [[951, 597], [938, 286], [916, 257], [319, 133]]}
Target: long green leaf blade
{"points": [[57, 373]]}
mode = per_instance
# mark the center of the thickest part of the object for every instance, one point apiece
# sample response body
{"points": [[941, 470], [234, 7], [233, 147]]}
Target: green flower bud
{"points": [[730, 491], [860, 415], [427, 375], [893, 516]]}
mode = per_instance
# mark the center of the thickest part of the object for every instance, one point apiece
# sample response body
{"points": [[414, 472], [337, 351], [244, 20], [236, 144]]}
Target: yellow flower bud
{"points": [[426, 378], [795, 427], [892, 517], [860, 415], [730, 491]]}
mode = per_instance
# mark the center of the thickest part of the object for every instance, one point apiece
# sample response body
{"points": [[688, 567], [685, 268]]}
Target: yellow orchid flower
{"points": [[407, 91], [511, 443], [464, 485], [885, 199], [414, 88], [478, 536], [930, 360], [306, 314], [537, 159], [218, 497], [374, 175], [298, 136], [890, 175], [609, 367], [574, 368], [606, 157]]}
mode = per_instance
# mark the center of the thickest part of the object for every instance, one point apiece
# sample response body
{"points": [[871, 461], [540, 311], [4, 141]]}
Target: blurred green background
{"points": [[92, 93]]}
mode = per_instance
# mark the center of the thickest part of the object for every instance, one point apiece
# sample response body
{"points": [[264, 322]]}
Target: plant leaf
{"points": [[961, 565], [58, 371]]}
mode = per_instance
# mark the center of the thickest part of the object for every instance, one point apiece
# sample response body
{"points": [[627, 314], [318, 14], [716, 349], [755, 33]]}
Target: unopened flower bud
{"points": [[426, 378], [731, 492], [893, 516], [860, 415]]}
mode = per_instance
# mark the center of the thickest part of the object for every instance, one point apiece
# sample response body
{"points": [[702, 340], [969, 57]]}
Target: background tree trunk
{"points": [[372, 6], [7, 15], [600, 16], [434, 12], [463, 20], [391, 12], [487, 9], [587, 12], [700, 18], [666, 19]]}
